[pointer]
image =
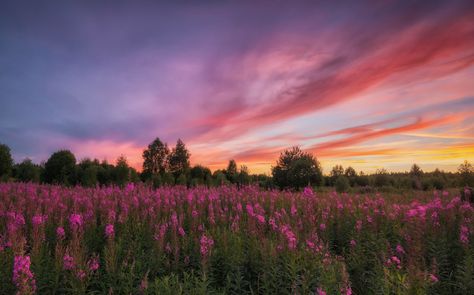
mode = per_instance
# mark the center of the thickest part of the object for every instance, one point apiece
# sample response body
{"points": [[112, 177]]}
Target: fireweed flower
{"points": [[353, 243], [38, 220], [23, 278], [109, 231], [76, 221], [308, 192], [433, 278], [68, 262], [400, 249], [206, 244], [181, 232], [464, 235], [60, 233], [93, 264], [320, 291]]}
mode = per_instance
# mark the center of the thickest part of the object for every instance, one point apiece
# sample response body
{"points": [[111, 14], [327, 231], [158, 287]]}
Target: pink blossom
{"points": [[38, 220], [181, 231], [60, 233], [109, 231], [400, 249], [68, 262], [434, 278], [322, 226], [308, 192], [93, 264], [321, 292], [206, 244], [261, 219], [76, 221], [353, 243], [464, 235], [22, 276]]}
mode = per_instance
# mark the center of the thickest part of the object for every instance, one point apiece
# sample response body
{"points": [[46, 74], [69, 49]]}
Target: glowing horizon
{"points": [[377, 84]]}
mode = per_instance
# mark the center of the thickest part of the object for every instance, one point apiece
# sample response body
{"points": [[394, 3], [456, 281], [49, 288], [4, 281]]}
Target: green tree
{"points": [[244, 176], [200, 175], [336, 171], [231, 171], [179, 160], [87, 172], [27, 171], [6, 161], [416, 173], [296, 169], [351, 175], [122, 171], [155, 159], [60, 168], [466, 172]]}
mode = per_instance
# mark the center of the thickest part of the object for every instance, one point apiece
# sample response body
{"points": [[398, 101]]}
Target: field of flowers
{"points": [[223, 240]]}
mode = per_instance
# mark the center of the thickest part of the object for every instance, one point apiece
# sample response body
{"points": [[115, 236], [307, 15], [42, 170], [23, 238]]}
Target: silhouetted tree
{"points": [[296, 169], [60, 168], [336, 171], [6, 162], [466, 172], [231, 171], [200, 175], [179, 160], [155, 159], [244, 176], [122, 171], [351, 175], [27, 171]]}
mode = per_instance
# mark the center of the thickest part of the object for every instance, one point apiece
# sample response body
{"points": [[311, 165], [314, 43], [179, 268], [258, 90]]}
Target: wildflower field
{"points": [[178, 240]]}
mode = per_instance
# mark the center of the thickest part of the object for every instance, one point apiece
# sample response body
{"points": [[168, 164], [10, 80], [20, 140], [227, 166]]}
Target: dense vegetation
{"points": [[223, 240], [295, 169]]}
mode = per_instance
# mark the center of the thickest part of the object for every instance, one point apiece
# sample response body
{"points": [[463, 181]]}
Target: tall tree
{"points": [[179, 160], [6, 161], [231, 171], [296, 169], [27, 171], [155, 159], [60, 168], [122, 171]]}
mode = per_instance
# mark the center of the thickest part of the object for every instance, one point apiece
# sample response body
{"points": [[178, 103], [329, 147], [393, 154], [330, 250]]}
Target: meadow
{"points": [[225, 240]]}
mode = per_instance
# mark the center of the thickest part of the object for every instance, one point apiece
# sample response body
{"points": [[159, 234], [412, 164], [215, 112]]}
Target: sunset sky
{"points": [[368, 84]]}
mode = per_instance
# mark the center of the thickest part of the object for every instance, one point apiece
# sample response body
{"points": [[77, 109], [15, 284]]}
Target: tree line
{"points": [[294, 169]]}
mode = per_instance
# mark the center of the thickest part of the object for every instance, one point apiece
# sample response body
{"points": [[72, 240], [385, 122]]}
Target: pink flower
{"points": [[322, 226], [22, 276], [181, 231], [464, 235], [261, 219], [109, 231], [400, 249], [206, 244], [38, 220], [353, 243], [321, 291], [68, 262], [434, 278], [60, 233], [308, 192], [80, 274], [76, 221], [93, 264]]}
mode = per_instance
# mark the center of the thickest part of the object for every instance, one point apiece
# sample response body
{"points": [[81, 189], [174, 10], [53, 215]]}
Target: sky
{"points": [[369, 84]]}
